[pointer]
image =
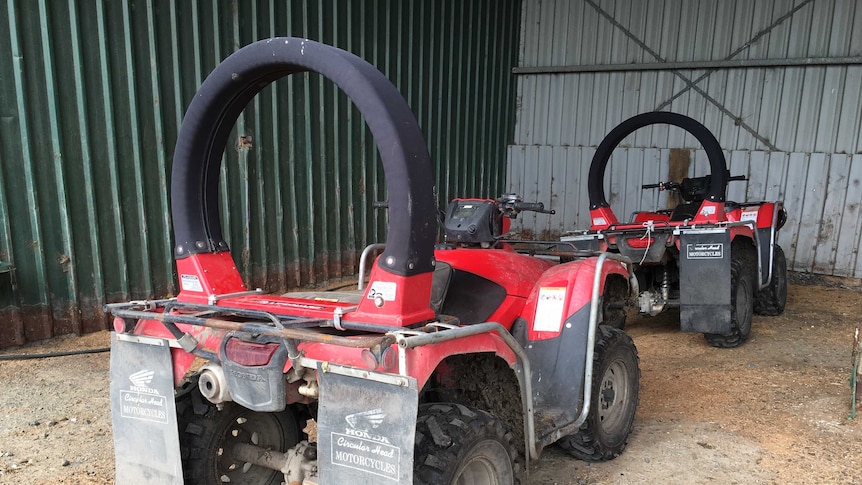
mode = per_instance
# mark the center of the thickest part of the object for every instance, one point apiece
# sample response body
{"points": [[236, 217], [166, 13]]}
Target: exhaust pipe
{"points": [[213, 385]]}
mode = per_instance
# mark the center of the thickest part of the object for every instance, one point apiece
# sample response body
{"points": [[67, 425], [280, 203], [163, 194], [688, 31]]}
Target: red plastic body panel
{"points": [[765, 214], [602, 218], [202, 275], [411, 303], [497, 265], [406, 302], [761, 214], [651, 216], [421, 361], [515, 272], [709, 212], [577, 279]]}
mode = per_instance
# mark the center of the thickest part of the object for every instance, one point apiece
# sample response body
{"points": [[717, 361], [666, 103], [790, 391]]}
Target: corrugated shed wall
{"points": [[778, 82], [91, 97]]}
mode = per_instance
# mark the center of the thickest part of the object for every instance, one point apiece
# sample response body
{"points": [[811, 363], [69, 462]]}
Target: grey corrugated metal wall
{"points": [[796, 131], [91, 96]]}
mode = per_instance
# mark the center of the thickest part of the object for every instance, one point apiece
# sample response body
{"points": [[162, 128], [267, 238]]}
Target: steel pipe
{"points": [[691, 65]]}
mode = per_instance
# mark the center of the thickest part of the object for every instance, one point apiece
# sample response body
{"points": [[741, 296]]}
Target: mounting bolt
{"points": [[390, 261]]}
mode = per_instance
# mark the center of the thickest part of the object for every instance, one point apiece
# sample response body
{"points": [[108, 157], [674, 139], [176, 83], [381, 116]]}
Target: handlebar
{"points": [[678, 186], [511, 204], [532, 206], [662, 186]]}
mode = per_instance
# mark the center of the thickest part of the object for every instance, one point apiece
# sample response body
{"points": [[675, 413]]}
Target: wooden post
{"points": [[680, 159], [856, 387]]}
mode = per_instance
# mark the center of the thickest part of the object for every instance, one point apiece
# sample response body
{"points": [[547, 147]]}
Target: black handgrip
{"points": [[532, 206], [736, 177], [651, 186]]}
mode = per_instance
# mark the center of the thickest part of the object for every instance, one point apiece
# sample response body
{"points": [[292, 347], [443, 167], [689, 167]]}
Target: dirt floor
{"points": [[772, 411]]}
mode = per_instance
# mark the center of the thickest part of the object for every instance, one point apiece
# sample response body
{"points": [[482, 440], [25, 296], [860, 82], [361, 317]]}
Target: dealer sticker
{"points": [[361, 448], [704, 251], [366, 426], [142, 402]]}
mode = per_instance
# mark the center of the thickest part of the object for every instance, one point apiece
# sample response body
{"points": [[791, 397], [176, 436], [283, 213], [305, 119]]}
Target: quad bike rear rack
{"points": [[292, 329], [676, 230]]}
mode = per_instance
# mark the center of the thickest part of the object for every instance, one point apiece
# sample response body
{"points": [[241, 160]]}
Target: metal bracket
{"points": [[215, 298], [340, 312], [140, 339]]}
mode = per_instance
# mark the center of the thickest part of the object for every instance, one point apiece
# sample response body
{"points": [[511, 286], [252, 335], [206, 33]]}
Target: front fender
{"points": [[562, 291], [557, 330]]}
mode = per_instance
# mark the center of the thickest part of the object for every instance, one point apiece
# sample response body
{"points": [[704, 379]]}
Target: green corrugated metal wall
{"points": [[91, 97]]}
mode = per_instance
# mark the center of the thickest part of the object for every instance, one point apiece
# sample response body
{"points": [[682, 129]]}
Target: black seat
{"points": [[685, 210]]}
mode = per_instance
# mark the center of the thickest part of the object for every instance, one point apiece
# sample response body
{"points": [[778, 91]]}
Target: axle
{"points": [[299, 464]]}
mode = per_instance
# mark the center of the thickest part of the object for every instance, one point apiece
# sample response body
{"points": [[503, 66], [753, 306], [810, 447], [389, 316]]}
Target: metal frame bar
{"points": [[692, 84], [691, 65], [363, 261]]}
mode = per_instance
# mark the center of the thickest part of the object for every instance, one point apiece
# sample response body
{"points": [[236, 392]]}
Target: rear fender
{"points": [[423, 361], [769, 217]]}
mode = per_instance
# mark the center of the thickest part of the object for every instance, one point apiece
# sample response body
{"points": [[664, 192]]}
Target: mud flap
{"points": [[704, 281], [143, 411], [366, 426], [766, 253]]}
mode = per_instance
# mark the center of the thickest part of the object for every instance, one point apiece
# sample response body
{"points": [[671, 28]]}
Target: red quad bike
{"points": [[715, 260], [445, 369]]}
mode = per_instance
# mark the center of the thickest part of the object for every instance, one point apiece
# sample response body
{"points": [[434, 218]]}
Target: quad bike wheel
{"points": [[771, 300], [207, 435], [459, 445], [741, 303], [614, 401]]}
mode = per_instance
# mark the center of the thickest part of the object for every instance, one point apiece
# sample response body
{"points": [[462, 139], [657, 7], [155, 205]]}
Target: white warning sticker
{"points": [[383, 289], [748, 215], [549, 310], [190, 282]]}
